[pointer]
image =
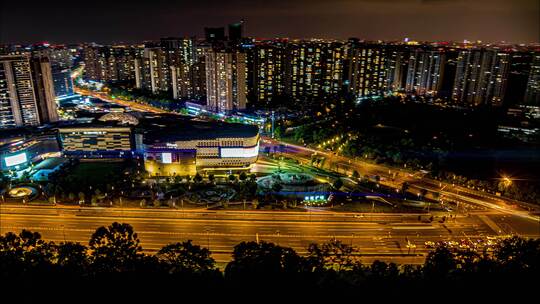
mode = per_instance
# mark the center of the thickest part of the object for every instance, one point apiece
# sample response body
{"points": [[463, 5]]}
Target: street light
{"points": [[507, 181]]}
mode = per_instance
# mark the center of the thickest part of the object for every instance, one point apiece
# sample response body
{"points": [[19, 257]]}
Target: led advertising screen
{"points": [[15, 160], [166, 158], [240, 152]]}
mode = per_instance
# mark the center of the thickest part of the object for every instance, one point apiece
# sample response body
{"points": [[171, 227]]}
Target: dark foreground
{"points": [[113, 262]]}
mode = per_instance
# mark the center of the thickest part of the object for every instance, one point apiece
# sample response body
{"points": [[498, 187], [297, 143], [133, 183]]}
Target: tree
{"points": [[276, 189], [198, 178], [25, 252], [254, 262], [439, 263], [232, 178], [72, 257], [518, 254], [114, 247], [186, 256], [243, 176], [332, 255], [252, 177], [211, 178]]}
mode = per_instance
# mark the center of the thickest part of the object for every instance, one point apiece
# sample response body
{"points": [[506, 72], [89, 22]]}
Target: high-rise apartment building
{"points": [[154, 70], [186, 65], [313, 69], [110, 63], [42, 77], [26, 91], [367, 69], [268, 72], [481, 76], [225, 80], [424, 71], [532, 91], [236, 31]]}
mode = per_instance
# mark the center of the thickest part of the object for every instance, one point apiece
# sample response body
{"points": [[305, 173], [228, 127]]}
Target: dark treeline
{"points": [[113, 258]]}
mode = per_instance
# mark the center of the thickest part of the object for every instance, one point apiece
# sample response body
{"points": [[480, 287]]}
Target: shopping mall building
{"points": [[176, 146], [168, 144]]}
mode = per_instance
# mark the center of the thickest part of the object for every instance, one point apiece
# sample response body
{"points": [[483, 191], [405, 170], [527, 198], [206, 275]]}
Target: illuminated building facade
{"points": [[154, 70], [225, 80], [532, 92], [96, 141], [22, 147], [268, 72], [481, 76], [314, 69], [424, 71], [367, 70], [187, 69], [183, 147], [26, 91], [61, 63], [110, 63]]}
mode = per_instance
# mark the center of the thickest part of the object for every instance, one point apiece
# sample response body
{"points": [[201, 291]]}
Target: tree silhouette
{"points": [[72, 257], [186, 256], [262, 262], [332, 255], [198, 178], [243, 176], [114, 248]]}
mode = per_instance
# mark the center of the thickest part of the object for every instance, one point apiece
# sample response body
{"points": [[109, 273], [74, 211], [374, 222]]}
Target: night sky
{"points": [[134, 21]]}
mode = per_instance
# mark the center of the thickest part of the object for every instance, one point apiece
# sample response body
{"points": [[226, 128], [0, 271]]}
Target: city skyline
{"points": [[515, 21], [348, 145]]}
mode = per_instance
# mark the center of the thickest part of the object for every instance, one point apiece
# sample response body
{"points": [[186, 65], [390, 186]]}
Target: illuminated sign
{"points": [[314, 198], [169, 145], [16, 159], [240, 152], [166, 158], [94, 132]]}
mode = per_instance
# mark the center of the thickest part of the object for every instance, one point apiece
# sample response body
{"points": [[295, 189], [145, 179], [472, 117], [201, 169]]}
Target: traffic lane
{"points": [[181, 228], [517, 225], [309, 215], [382, 170]]}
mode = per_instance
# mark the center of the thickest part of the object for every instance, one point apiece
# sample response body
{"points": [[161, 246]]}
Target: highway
{"points": [[394, 177], [131, 104], [377, 236]]}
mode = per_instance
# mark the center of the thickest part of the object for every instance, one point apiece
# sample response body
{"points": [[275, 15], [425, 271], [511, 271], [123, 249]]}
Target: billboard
{"points": [[166, 158], [16, 159], [240, 152]]}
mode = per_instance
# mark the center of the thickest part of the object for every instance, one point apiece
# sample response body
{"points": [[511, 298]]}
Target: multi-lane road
{"points": [[377, 236], [395, 178], [131, 104]]}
